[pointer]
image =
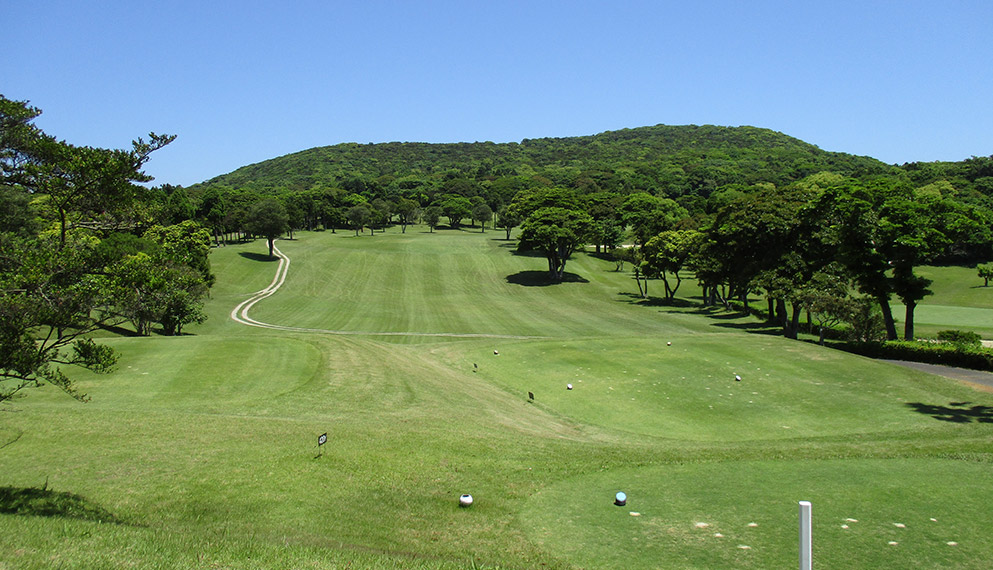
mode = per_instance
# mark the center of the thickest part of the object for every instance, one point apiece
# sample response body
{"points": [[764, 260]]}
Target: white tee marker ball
{"points": [[465, 501], [737, 378], [568, 386], [496, 352], [620, 499], [669, 343]]}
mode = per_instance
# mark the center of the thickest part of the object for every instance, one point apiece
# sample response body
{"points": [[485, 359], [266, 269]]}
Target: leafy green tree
{"points": [[985, 273], [557, 232], [528, 201], [267, 218], [406, 210], [507, 220], [482, 213], [607, 234], [178, 206], [182, 303], [647, 215], [382, 211], [84, 185], [852, 227], [432, 215], [49, 295], [456, 208], [148, 290], [667, 253], [829, 299], [17, 216], [358, 217], [186, 243], [54, 290]]}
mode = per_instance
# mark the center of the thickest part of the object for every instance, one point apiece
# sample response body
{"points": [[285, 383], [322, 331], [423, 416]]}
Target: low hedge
{"points": [[946, 354]]}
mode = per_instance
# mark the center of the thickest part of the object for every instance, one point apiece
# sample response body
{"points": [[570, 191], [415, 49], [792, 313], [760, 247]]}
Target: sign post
{"points": [[321, 440], [805, 535]]}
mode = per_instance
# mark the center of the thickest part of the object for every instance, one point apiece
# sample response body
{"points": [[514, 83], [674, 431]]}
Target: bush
{"points": [[965, 339], [927, 352]]}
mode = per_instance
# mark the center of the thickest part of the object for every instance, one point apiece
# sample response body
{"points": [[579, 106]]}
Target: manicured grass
{"points": [[203, 448], [736, 515], [960, 302]]}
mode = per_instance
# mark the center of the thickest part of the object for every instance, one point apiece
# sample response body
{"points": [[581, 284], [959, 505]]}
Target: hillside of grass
{"points": [[415, 353]]}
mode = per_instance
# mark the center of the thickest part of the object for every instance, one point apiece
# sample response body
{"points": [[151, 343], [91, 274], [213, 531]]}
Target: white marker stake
{"points": [[805, 546]]}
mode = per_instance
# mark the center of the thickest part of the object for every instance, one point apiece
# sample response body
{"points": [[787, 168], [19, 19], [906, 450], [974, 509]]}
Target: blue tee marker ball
{"points": [[620, 499]]}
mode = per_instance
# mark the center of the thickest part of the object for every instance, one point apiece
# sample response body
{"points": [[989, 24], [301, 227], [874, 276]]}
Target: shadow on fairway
{"points": [[117, 329], [258, 256], [652, 301], [540, 279], [43, 502], [955, 412]]}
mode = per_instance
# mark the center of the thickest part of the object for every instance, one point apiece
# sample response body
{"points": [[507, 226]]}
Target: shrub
{"points": [[927, 352], [965, 339]]}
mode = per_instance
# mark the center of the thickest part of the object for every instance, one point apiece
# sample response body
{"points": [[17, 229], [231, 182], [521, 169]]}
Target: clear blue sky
{"points": [[241, 82]]}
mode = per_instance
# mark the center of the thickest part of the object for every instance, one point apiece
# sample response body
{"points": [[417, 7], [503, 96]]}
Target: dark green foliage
{"points": [[556, 232], [267, 218], [963, 339], [985, 273], [927, 352], [671, 161]]}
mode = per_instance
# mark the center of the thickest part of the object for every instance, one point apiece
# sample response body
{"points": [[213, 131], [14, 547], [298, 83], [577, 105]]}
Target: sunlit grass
{"points": [[203, 448]]}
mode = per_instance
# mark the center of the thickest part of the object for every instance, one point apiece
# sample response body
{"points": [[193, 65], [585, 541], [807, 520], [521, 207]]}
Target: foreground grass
{"points": [[202, 449]]}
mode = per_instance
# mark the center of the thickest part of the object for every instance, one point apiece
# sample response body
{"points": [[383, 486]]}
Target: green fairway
{"points": [[960, 302], [415, 353]]}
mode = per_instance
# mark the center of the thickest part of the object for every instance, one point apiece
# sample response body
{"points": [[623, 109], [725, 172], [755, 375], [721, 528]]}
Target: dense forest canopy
{"points": [[670, 160]]}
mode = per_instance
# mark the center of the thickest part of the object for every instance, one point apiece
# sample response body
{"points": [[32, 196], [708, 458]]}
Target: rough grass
{"points": [[204, 451]]}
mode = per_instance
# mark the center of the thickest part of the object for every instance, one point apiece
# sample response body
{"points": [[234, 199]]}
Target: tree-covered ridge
{"points": [[671, 160]]}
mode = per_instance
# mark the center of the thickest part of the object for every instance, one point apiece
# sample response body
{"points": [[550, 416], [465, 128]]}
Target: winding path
{"points": [[240, 313]]}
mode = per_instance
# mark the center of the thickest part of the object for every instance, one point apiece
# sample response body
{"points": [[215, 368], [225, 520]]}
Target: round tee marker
{"points": [[620, 499], [465, 501]]}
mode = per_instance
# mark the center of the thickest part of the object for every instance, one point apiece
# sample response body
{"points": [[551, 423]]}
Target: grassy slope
{"points": [[204, 447], [960, 302]]}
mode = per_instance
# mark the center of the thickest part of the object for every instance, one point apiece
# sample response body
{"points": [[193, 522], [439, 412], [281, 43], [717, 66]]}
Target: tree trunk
{"points": [[771, 317], [908, 325], [781, 316], [270, 247], [793, 328], [884, 305]]}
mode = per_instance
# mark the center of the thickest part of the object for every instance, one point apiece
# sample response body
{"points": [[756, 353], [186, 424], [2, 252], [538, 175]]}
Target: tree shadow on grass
{"points": [[718, 315], [653, 301], [258, 256], [955, 412], [541, 279], [32, 501], [117, 329]]}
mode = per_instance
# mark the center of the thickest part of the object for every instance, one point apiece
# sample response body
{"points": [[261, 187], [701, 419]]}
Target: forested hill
{"points": [[670, 160]]}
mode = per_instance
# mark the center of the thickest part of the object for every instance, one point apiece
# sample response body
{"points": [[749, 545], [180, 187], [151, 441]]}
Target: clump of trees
{"points": [[82, 247]]}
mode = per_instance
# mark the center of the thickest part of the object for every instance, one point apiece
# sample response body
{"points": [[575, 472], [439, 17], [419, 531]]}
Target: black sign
{"points": [[322, 439]]}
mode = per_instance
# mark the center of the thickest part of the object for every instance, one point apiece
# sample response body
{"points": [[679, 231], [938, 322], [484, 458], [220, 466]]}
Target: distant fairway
{"points": [[201, 451], [960, 301]]}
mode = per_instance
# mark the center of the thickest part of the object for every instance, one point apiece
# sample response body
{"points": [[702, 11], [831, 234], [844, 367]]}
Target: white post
{"points": [[805, 546]]}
